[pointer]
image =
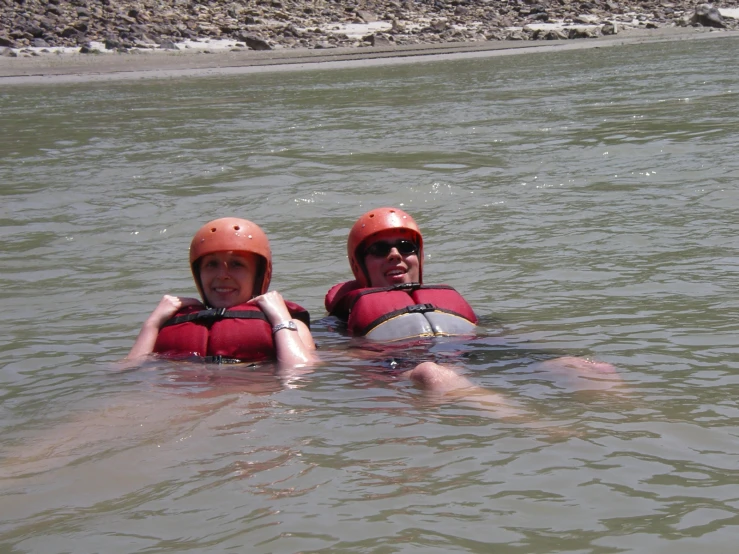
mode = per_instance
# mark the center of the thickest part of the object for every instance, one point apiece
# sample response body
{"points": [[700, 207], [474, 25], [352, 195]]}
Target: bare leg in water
{"points": [[442, 380]]}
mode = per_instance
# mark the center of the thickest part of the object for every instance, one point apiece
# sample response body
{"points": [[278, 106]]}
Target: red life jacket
{"points": [[241, 333], [402, 311]]}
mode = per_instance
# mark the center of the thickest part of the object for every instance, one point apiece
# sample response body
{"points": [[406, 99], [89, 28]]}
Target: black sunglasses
{"points": [[381, 248]]}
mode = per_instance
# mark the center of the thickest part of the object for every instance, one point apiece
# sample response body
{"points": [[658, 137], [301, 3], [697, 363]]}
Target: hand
{"points": [[273, 306], [167, 307], [293, 349]]}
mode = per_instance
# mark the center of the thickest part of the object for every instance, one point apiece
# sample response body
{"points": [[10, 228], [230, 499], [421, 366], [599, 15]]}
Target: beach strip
{"points": [[214, 59]]}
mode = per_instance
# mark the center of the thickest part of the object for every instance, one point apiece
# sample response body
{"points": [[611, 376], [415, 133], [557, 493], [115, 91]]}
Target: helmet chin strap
{"points": [[198, 282], [363, 267], [259, 278]]}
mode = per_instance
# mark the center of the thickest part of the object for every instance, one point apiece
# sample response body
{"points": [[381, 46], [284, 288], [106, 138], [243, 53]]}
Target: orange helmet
{"points": [[376, 221], [231, 234]]}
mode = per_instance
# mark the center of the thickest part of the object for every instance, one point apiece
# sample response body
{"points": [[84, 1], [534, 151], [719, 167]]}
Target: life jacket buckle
{"points": [[420, 308], [220, 359], [210, 314], [406, 286]]}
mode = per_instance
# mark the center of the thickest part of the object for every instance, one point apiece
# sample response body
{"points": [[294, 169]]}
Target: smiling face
{"points": [[388, 261], [227, 278]]}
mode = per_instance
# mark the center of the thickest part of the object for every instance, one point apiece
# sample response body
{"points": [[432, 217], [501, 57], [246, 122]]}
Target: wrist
{"points": [[287, 324], [154, 323]]}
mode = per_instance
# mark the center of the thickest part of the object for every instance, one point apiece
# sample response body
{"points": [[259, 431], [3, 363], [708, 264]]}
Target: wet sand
{"points": [[66, 68]]}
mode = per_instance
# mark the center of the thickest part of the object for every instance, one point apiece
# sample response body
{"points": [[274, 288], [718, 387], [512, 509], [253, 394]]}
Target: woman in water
{"points": [[237, 320]]}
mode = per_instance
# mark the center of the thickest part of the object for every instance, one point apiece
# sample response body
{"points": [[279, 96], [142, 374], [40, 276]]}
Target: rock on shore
{"points": [[269, 24]]}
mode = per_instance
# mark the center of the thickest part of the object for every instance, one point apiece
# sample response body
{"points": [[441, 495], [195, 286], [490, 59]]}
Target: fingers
{"points": [[168, 306], [267, 297], [273, 306]]}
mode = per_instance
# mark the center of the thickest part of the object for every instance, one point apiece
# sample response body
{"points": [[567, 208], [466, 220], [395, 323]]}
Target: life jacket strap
{"points": [[221, 360], [214, 314], [414, 309]]}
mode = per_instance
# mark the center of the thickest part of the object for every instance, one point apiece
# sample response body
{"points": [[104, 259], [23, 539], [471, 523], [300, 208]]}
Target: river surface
{"points": [[585, 203]]}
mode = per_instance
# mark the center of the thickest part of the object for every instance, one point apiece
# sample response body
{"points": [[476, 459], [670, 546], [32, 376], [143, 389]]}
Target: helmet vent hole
{"points": [[236, 228], [372, 215], [212, 229]]}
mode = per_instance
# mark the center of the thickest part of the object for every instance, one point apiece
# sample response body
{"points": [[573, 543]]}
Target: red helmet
{"points": [[376, 221], [231, 234]]}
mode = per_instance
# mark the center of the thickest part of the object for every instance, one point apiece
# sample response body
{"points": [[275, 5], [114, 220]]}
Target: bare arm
{"points": [[293, 348], [166, 308]]}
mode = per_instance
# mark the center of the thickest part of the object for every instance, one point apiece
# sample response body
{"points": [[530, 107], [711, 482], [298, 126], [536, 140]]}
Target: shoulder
{"points": [[336, 298]]}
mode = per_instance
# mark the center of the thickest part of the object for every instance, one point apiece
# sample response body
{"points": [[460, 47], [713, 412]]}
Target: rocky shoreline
{"points": [[31, 27]]}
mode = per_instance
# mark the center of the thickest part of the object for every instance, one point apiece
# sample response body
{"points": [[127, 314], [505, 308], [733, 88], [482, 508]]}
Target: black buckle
{"points": [[212, 313], [420, 308], [406, 286], [220, 360]]}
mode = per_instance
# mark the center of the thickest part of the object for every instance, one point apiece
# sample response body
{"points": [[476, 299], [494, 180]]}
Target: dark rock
{"points": [[69, 32], [255, 43], [708, 16], [111, 43], [46, 23], [609, 29], [367, 17], [34, 30], [554, 34], [19, 34], [168, 45], [378, 40], [516, 35], [439, 26], [583, 32]]}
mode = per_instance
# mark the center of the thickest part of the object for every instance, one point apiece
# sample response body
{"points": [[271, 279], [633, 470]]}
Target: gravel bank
{"points": [[322, 24], [94, 37]]}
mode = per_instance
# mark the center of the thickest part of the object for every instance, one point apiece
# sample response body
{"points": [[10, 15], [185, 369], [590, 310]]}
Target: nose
{"points": [[222, 270], [394, 253]]}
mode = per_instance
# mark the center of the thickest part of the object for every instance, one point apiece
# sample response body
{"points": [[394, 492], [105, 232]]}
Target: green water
{"points": [[583, 202]]}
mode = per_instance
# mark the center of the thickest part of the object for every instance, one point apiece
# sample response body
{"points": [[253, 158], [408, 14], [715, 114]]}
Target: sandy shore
{"points": [[66, 68]]}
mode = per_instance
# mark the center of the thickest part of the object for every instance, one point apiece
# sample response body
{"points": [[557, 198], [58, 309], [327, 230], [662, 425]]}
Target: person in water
{"points": [[388, 300], [237, 320]]}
